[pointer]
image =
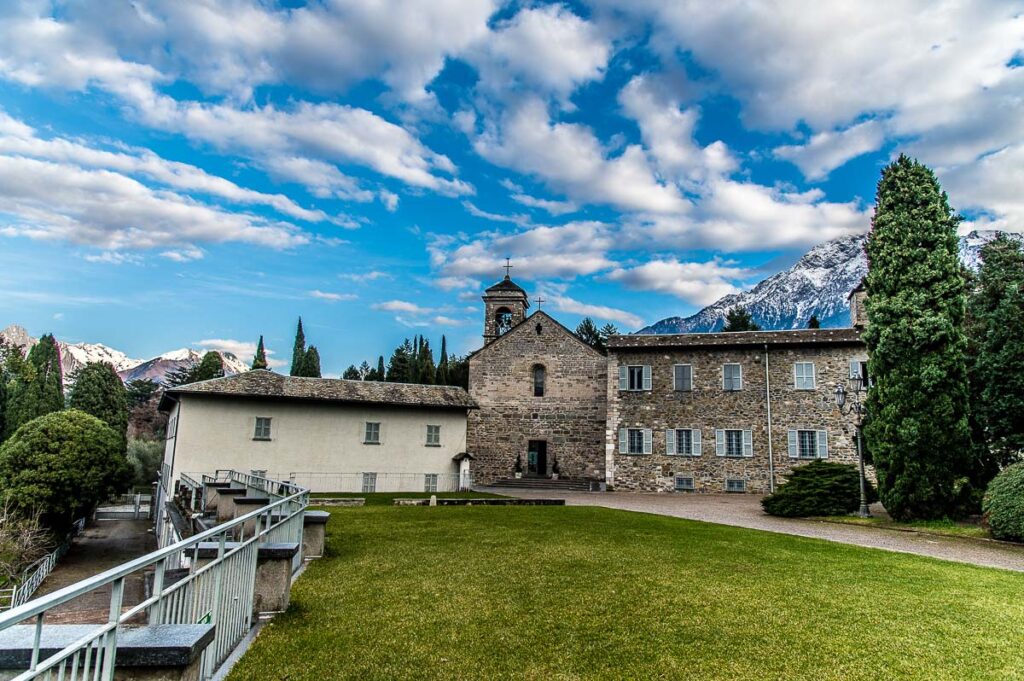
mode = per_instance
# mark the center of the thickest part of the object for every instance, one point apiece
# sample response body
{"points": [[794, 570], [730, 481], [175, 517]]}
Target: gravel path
{"points": [[745, 511]]}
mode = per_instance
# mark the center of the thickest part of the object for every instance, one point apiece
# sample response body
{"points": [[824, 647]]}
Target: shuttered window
{"points": [[635, 441], [803, 375], [808, 444], [635, 377], [734, 443], [372, 433], [682, 377], [433, 436], [732, 377], [262, 431], [682, 442]]}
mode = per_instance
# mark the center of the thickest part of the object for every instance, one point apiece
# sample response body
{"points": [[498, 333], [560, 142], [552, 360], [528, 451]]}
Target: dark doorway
{"points": [[537, 458]]}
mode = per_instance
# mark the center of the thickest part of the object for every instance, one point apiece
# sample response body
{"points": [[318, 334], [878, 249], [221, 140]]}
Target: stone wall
{"points": [[708, 407], [570, 416]]}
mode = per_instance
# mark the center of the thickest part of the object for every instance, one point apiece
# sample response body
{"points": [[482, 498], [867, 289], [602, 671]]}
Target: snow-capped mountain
{"points": [[818, 284], [74, 356]]}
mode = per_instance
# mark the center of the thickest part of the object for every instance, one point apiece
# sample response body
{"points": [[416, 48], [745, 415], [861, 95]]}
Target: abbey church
{"points": [[707, 412]]}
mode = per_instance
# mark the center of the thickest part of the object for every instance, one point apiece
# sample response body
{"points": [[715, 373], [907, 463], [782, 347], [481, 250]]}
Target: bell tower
{"points": [[505, 305]]}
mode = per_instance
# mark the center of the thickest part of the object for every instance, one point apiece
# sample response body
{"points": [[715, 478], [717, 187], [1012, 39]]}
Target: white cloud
{"points": [[700, 283], [330, 296], [569, 158], [442, 320], [518, 219], [401, 306], [364, 277], [240, 349], [993, 185], [553, 207], [601, 312], [457, 283], [828, 150], [113, 258]]}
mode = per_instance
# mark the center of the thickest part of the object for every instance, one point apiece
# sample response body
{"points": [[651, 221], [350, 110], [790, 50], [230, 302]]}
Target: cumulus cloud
{"points": [[553, 207], [330, 296], [601, 312], [700, 283], [241, 349], [992, 186], [826, 151], [364, 277], [401, 306]]}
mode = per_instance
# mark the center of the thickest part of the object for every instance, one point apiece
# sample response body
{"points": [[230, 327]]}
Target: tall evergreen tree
{"points": [[351, 373], [382, 371], [35, 385], [259, 361], [588, 332], [441, 378], [427, 371], [311, 364], [739, 319], [365, 371], [400, 365], [458, 371], [918, 431], [210, 366], [45, 357], [607, 331], [813, 322], [298, 351], [98, 390]]}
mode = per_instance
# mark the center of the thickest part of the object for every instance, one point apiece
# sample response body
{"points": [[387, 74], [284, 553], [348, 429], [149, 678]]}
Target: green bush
{"points": [[819, 488], [145, 457], [1004, 504], [62, 465]]}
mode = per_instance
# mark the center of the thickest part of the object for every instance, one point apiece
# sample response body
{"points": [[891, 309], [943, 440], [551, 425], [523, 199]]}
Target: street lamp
{"points": [[856, 406]]}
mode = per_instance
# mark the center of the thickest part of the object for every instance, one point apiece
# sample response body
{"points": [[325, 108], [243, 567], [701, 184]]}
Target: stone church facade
{"points": [[716, 412]]}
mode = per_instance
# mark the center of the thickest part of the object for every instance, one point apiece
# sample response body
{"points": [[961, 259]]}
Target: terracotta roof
{"points": [[844, 336], [264, 383], [507, 284]]}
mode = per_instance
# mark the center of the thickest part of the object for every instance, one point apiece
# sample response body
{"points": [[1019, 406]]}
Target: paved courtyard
{"points": [[745, 511]]}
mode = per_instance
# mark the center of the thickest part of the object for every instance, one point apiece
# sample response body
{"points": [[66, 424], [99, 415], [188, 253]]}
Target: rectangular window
{"points": [[684, 483], [735, 485], [808, 444], [735, 443], [682, 377], [538, 381], [262, 431], [372, 436], [635, 441], [682, 441], [433, 436], [732, 377], [634, 377], [369, 483], [803, 376], [258, 473], [430, 482]]}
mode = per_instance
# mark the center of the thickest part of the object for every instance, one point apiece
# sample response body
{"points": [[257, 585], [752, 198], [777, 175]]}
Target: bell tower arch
{"points": [[505, 305]]}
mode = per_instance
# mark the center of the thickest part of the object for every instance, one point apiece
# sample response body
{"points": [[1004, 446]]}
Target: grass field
{"points": [[949, 528], [577, 592]]}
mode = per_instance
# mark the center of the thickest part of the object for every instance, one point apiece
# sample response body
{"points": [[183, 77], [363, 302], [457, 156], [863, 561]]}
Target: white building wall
{"points": [[321, 444]]}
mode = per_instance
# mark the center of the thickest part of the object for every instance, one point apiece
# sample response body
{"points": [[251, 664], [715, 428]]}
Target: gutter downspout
{"points": [[768, 399]]}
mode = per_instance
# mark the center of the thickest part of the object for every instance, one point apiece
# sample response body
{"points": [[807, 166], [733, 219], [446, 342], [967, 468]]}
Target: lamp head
{"points": [[840, 394]]}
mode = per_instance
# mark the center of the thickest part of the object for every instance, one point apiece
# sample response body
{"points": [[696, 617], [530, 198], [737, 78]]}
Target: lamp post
{"points": [[856, 406]]}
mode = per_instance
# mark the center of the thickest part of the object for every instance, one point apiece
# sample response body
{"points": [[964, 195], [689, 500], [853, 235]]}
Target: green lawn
{"points": [[950, 528], [388, 498], [576, 592]]}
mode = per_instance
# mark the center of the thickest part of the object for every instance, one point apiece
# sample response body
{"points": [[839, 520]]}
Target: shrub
{"points": [[145, 457], [62, 465], [819, 488], [1004, 504]]}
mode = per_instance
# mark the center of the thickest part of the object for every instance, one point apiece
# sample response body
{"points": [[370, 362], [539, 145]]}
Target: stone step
{"points": [[545, 483]]}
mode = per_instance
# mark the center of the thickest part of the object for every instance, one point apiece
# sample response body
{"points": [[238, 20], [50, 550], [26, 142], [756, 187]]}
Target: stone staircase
{"points": [[560, 485]]}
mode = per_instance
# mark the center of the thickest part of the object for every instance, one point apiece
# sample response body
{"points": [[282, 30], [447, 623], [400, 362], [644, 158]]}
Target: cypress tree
{"points": [[45, 357], [298, 350], [441, 378], [98, 390], [259, 361], [425, 364], [918, 431], [311, 364], [211, 366], [381, 370]]}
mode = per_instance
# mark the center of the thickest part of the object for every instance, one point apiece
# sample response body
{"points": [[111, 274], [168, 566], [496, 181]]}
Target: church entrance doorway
{"points": [[537, 458]]}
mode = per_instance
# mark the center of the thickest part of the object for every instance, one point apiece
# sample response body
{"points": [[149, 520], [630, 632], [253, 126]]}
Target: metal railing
{"points": [[218, 590], [34, 575], [368, 482], [126, 506]]}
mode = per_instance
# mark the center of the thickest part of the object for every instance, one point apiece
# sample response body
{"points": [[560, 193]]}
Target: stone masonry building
{"points": [[696, 412]]}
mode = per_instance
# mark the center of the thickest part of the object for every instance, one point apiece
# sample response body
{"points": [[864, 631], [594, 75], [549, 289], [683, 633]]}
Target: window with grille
{"points": [[262, 431], [803, 375], [636, 440], [684, 483], [369, 483], [682, 441], [430, 482], [732, 377], [735, 485], [808, 444], [372, 436], [734, 443], [682, 377], [433, 436]]}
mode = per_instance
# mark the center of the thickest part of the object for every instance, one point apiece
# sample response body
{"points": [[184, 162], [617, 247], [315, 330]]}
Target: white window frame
{"points": [[801, 379], [627, 440], [369, 483], [820, 444], [739, 377], [371, 428], [675, 378], [430, 482], [722, 443], [436, 431], [672, 442], [738, 484], [263, 428], [685, 488]]}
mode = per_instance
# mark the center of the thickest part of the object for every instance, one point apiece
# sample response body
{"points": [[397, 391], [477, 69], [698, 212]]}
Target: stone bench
{"points": [[273, 572], [226, 503], [211, 492], [337, 501], [314, 533], [164, 652]]}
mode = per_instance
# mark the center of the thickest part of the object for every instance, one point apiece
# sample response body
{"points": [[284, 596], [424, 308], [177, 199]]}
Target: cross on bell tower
{"points": [[505, 305]]}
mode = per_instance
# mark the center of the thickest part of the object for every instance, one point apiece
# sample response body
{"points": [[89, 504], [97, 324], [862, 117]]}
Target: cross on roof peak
{"points": [[539, 300], [508, 266]]}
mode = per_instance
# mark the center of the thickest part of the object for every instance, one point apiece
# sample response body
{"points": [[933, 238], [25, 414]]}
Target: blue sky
{"points": [[197, 174]]}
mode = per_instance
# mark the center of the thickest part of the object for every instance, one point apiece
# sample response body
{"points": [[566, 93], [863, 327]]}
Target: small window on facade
{"points": [[684, 483], [734, 443], [636, 441], [262, 431], [732, 377], [682, 378], [808, 444], [258, 473], [859, 369], [430, 482], [369, 483], [682, 441], [372, 436], [735, 485], [538, 381], [636, 377], [433, 436], [803, 376]]}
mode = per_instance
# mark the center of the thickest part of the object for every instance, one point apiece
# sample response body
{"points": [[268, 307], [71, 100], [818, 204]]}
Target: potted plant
{"points": [[554, 469], [518, 467]]}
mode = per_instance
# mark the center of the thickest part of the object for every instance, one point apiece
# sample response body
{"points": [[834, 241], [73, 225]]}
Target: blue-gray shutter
{"points": [[794, 448], [719, 442], [855, 368], [670, 442], [623, 441], [748, 444], [647, 377], [648, 441], [695, 440], [623, 377], [822, 444]]}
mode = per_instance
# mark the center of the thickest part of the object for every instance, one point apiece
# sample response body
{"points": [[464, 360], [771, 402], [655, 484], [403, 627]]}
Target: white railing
{"points": [[219, 592], [362, 483], [34, 575], [126, 506]]}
